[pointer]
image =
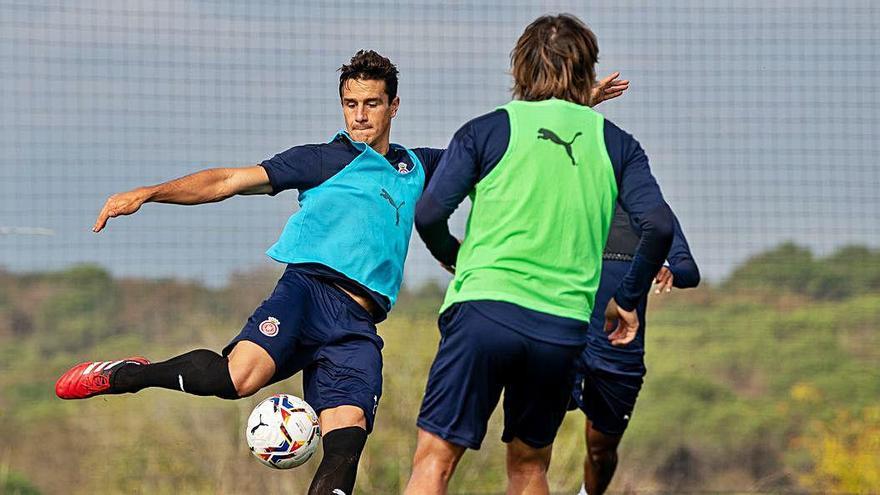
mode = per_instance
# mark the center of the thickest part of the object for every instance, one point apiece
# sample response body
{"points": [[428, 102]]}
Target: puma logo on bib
{"points": [[551, 136], [385, 194]]}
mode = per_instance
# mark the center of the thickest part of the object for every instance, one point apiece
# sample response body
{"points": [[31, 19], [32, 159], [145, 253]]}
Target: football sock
{"points": [[198, 372], [342, 451]]}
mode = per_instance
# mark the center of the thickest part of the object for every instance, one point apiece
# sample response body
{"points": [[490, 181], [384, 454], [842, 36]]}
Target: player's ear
{"points": [[395, 104]]}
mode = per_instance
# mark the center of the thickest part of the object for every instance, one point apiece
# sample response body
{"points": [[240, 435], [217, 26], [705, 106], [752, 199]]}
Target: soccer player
{"points": [[609, 378], [344, 251], [544, 173]]}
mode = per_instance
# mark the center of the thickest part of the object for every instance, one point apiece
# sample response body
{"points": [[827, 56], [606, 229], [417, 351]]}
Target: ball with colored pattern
{"points": [[283, 432]]}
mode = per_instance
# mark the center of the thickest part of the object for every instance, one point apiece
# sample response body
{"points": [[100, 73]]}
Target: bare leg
{"points": [[433, 464], [601, 459], [527, 469]]}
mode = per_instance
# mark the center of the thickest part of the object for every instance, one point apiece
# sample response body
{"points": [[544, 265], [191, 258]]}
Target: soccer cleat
{"points": [[91, 378]]}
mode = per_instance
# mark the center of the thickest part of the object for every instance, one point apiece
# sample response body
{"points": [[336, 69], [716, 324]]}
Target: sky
{"points": [[760, 117]]}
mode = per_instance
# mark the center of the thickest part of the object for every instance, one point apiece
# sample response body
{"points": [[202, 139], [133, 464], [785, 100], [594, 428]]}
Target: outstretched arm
{"points": [[206, 186]]}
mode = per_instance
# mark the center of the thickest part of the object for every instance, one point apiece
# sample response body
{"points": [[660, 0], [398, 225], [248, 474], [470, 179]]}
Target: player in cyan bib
{"points": [[609, 377], [344, 251], [544, 182]]}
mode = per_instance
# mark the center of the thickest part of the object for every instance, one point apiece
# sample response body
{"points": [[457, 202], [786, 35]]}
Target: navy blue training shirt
{"points": [[623, 241], [479, 146], [307, 166], [684, 269]]}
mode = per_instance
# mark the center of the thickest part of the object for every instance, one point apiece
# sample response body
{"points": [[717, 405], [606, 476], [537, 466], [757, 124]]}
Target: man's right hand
{"points": [[451, 268], [623, 325], [664, 280], [120, 204]]}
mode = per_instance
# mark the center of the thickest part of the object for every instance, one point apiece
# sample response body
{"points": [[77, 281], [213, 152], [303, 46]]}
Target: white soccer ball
{"points": [[283, 432]]}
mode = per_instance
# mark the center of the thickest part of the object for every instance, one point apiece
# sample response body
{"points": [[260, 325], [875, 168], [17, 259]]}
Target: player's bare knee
{"points": [[436, 456], [523, 459], [250, 368], [339, 417], [528, 466], [245, 388], [434, 463], [247, 381], [602, 455]]}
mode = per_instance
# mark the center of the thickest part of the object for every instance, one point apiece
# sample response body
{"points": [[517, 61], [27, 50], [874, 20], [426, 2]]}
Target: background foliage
{"points": [[773, 390]]}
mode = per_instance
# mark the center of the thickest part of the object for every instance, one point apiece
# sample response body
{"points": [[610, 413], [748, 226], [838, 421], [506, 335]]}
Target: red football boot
{"points": [[91, 378]]}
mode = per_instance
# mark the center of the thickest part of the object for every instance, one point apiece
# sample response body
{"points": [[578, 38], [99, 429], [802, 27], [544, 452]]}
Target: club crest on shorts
{"points": [[270, 326], [403, 168]]}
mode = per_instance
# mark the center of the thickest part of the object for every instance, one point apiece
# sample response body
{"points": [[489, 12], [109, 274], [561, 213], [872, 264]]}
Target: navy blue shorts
{"points": [[311, 326], [609, 378], [477, 359], [607, 399]]}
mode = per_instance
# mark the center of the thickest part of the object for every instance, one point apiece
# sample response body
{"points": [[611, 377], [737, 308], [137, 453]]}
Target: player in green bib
{"points": [[544, 173]]}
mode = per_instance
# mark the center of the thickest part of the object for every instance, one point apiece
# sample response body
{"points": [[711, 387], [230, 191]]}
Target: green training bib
{"points": [[540, 218]]}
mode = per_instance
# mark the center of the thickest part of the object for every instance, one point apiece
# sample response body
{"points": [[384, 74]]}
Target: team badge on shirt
{"points": [[270, 327], [403, 168]]}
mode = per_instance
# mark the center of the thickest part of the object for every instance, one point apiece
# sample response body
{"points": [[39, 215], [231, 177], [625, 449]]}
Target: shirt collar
{"points": [[396, 153]]}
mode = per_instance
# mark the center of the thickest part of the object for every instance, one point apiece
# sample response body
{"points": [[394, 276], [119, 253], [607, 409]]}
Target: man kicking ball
{"points": [[344, 251]]}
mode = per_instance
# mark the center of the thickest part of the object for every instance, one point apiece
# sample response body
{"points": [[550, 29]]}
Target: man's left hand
{"points": [[620, 325]]}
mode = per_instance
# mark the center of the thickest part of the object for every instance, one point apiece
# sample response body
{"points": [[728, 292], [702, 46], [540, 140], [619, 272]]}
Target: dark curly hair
{"points": [[369, 65]]}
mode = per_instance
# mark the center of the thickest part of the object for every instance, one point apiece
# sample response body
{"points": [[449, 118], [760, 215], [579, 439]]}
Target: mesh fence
{"points": [[761, 122]]}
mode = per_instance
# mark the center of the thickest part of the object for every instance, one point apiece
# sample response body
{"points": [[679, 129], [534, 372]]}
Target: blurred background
{"points": [[761, 122]]}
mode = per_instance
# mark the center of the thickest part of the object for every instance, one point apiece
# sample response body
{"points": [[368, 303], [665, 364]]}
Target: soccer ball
{"points": [[283, 432]]}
